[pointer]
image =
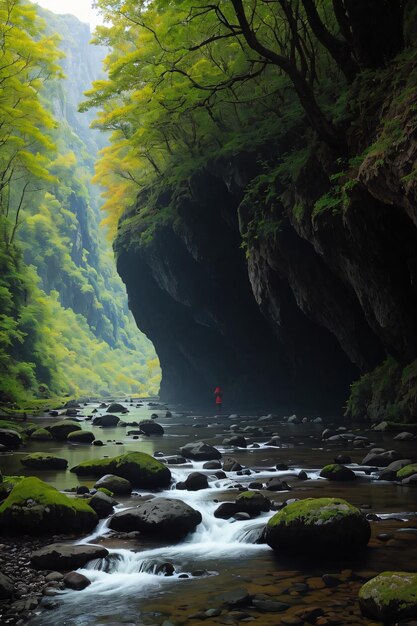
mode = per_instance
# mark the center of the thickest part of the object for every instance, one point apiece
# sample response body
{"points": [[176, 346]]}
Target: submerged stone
{"points": [[390, 596]]}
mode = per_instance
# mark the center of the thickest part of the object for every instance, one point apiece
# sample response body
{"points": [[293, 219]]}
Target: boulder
{"points": [[404, 436], [325, 527], [381, 459], [252, 502], [276, 484], [36, 507], [231, 465], [115, 484], [81, 436], [200, 451], [212, 465], [226, 510], [195, 481], [115, 407], [43, 461], [76, 581], [10, 438], [407, 471], [390, 472], [337, 472], [163, 517], [41, 434], [60, 430], [6, 587], [102, 504], [106, 421], [149, 427], [66, 556], [237, 441], [141, 469], [390, 597]]}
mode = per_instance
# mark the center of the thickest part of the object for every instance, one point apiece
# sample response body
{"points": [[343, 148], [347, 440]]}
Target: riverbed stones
{"points": [[60, 430], [36, 507], [149, 427], [76, 581], [66, 556], [10, 438], [81, 436], [390, 596], [43, 461], [106, 421], [116, 484], [329, 527], [141, 469], [164, 517], [200, 451], [337, 472]]}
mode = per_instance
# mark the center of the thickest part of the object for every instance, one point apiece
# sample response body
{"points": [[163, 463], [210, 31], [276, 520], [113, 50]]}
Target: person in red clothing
{"points": [[218, 393]]}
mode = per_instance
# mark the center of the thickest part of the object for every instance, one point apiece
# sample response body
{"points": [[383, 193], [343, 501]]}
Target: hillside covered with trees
{"points": [[65, 328]]}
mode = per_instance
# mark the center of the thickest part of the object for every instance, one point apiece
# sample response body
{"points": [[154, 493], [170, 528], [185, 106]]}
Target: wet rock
{"points": [[242, 516], [270, 606], [235, 597], [106, 421], [237, 441], [10, 438], [194, 482], [41, 434], [176, 460], [390, 596], [328, 527], [115, 484], [390, 472], [165, 517], [220, 475], [43, 461], [200, 451], [60, 430], [151, 428], [302, 475], [226, 510], [102, 504], [98, 442], [337, 472], [76, 581], [54, 577], [343, 459], [63, 556], [212, 465], [275, 484], [255, 485], [404, 436], [281, 467], [274, 441], [231, 465], [167, 569], [407, 471], [115, 407], [252, 502]]}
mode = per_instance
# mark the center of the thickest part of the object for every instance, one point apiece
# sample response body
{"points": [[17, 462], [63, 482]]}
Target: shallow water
{"points": [[221, 554]]}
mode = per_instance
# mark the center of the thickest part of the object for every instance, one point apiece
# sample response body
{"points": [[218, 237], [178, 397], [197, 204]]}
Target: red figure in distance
{"points": [[218, 393]]}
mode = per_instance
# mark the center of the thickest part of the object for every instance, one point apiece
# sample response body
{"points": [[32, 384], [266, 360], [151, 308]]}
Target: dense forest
{"points": [[261, 182], [65, 328]]}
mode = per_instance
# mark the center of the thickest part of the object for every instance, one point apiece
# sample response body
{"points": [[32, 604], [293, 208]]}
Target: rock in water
{"points": [[328, 527], [149, 427], [41, 461], [60, 430], [66, 556], [164, 517], [102, 504], [10, 438], [76, 581], [106, 421], [200, 451], [337, 472], [81, 436], [141, 469], [194, 482], [36, 507], [252, 502], [390, 596], [41, 434], [115, 484], [115, 407]]}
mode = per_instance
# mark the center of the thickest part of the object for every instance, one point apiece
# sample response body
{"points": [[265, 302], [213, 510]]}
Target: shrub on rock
{"points": [[337, 472], [164, 517], [326, 526], [43, 461], [141, 469], [60, 430], [36, 507], [389, 597]]}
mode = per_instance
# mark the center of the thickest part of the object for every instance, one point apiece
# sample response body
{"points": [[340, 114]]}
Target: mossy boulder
{"points": [[329, 527], [106, 491], [43, 461], [252, 502], [407, 471], [7, 484], [81, 436], [390, 596], [141, 469], [60, 430], [10, 438], [41, 434], [33, 506], [337, 472]]}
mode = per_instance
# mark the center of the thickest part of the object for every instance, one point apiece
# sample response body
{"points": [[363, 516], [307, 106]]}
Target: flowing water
{"points": [[129, 585]]}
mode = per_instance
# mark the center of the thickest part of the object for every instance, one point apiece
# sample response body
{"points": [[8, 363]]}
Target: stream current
{"points": [[129, 585]]}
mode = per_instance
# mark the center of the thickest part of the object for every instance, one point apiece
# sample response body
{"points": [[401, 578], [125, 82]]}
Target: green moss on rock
{"points": [[390, 596], [60, 430], [406, 471], [41, 434], [36, 507], [330, 526], [7, 485], [337, 472], [106, 492], [141, 469], [44, 461], [81, 436]]}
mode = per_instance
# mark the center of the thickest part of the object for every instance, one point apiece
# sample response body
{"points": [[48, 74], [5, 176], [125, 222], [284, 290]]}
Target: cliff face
{"points": [[325, 289]]}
